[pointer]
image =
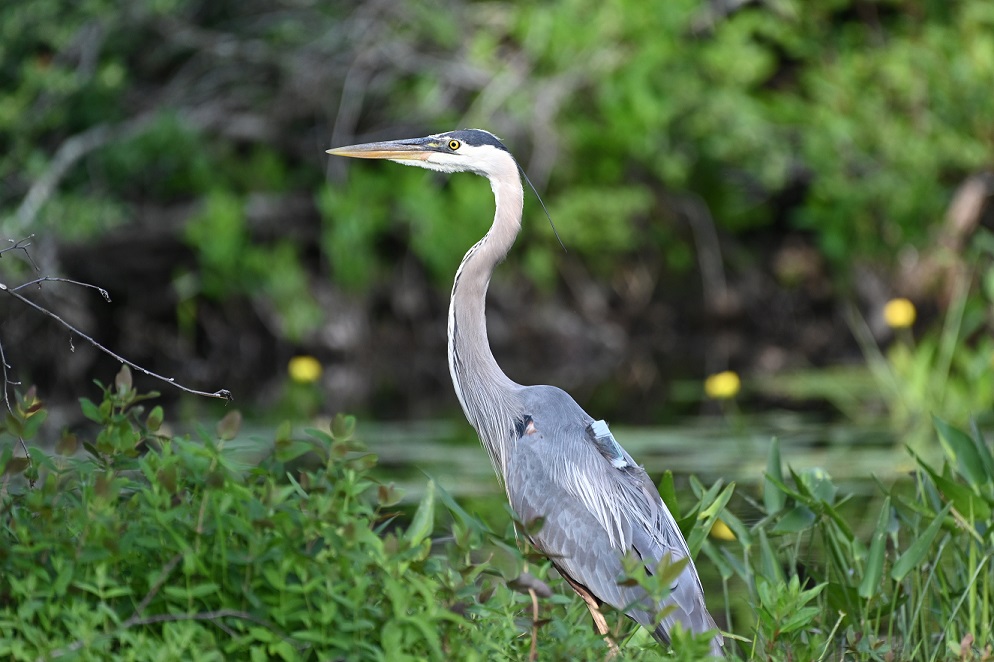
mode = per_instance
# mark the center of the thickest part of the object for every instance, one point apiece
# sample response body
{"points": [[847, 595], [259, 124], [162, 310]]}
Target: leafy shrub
{"points": [[156, 547], [151, 547]]}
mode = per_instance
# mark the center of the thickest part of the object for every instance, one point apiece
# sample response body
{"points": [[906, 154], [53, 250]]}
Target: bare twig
{"points": [[21, 245], [222, 394], [54, 279], [533, 651], [6, 399]]}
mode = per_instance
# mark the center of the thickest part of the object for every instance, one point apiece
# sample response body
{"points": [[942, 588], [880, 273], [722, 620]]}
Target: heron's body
{"points": [[556, 462]]}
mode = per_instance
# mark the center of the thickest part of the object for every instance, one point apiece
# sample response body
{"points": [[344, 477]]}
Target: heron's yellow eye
{"points": [[454, 145]]}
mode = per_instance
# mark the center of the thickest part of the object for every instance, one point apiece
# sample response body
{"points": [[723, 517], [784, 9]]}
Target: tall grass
{"points": [[917, 587]]}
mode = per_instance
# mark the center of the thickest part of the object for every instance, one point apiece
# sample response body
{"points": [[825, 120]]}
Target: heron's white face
{"points": [[485, 160], [442, 152]]}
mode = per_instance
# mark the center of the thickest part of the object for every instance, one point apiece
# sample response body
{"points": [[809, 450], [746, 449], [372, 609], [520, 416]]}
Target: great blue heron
{"points": [[555, 461]]}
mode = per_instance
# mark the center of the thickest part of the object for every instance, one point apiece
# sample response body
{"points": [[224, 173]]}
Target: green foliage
{"points": [[158, 547], [942, 371], [171, 548], [868, 117], [231, 263], [439, 224], [920, 590], [762, 100]]}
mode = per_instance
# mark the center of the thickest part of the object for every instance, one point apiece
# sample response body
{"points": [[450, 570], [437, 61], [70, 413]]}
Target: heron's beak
{"points": [[418, 149]]}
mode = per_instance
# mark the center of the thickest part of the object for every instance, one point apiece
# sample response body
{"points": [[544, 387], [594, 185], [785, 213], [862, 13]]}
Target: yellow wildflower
{"points": [[304, 369], [720, 531], [723, 385], [899, 313]]}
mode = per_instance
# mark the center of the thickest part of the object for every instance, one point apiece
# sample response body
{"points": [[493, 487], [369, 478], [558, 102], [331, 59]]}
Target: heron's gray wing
{"points": [[597, 505]]}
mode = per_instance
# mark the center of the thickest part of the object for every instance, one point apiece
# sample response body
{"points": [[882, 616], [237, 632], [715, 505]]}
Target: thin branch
{"points": [[6, 381], [6, 399], [21, 245], [222, 394], [533, 649], [55, 279]]}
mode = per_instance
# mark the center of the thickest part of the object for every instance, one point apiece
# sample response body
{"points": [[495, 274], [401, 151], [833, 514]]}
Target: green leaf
{"points": [[966, 502], [13, 425], [773, 498], [228, 427], [667, 490], [915, 554], [423, 522], [983, 449], [90, 410], [33, 422], [769, 563], [343, 427], [289, 450], [155, 418], [388, 495], [796, 520], [875, 561], [740, 530], [67, 444], [16, 465], [963, 451], [122, 381], [709, 515], [192, 592], [798, 619]]}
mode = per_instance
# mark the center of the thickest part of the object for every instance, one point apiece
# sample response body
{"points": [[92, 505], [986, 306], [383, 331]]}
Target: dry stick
{"points": [[6, 399], [533, 653], [55, 279], [223, 394], [21, 245]]}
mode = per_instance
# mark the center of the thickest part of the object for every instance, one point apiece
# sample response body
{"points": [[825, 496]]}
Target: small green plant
{"points": [[784, 612], [920, 589], [132, 542]]}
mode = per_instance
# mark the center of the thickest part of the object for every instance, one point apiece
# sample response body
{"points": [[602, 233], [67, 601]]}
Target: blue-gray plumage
{"points": [[557, 464]]}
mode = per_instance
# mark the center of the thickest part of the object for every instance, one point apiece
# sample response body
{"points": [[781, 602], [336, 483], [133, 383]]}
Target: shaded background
{"points": [[733, 181]]}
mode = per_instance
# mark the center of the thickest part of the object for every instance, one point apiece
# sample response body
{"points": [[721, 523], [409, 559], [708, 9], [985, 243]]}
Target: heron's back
{"points": [[595, 511]]}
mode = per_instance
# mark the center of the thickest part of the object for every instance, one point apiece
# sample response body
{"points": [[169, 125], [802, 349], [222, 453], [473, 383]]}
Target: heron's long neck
{"points": [[487, 395]]}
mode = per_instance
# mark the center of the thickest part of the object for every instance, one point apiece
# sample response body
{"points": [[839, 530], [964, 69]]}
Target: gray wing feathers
{"points": [[598, 505]]}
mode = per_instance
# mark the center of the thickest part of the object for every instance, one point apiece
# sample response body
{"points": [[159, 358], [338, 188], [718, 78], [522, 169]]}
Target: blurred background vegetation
{"points": [[740, 185], [776, 207]]}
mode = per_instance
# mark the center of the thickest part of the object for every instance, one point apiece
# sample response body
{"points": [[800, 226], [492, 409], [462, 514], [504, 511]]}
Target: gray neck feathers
{"points": [[488, 397]]}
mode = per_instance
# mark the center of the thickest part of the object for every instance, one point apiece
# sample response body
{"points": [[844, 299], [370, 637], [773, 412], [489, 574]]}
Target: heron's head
{"points": [[466, 150]]}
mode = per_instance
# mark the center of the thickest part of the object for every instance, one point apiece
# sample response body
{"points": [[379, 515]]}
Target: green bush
{"points": [[151, 547], [849, 123], [147, 546]]}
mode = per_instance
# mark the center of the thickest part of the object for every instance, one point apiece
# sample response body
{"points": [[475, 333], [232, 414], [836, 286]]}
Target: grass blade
{"points": [[773, 499], [915, 554], [875, 561], [963, 451]]}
